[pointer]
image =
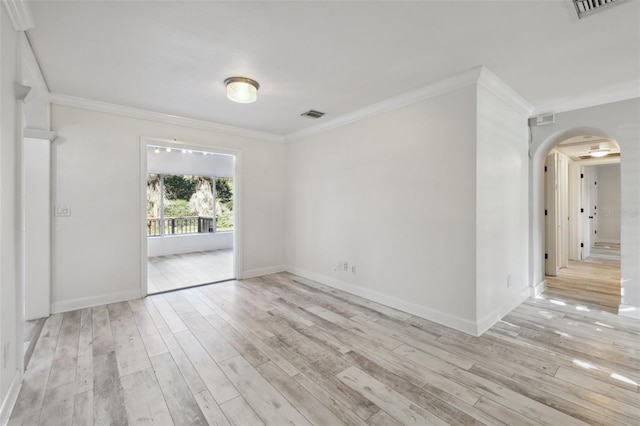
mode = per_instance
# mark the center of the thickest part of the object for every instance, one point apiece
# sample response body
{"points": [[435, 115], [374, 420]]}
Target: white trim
{"points": [[443, 318], [88, 302], [252, 273], [490, 320], [629, 311], [31, 72], [10, 399], [449, 84], [39, 134], [158, 117], [144, 254], [499, 88], [19, 13], [621, 93], [538, 289]]}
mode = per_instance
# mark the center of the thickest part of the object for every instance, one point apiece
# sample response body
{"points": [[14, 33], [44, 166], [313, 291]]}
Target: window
{"points": [[184, 204]]}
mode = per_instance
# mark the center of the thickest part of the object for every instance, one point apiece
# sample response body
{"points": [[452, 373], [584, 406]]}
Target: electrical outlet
{"points": [[63, 211], [508, 280]]}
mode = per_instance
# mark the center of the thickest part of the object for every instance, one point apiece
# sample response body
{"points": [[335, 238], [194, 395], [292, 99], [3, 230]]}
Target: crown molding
{"points": [[449, 84], [158, 117], [499, 88], [31, 72], [19, 14], [39, 134], [622, 92]]}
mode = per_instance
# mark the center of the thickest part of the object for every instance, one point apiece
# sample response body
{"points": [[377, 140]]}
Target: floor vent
{"points": [[312, 114], [589, 7]]}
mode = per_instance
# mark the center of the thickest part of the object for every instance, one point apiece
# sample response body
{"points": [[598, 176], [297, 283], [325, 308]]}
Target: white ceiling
{"points": [[332, 56], [579, 146]]}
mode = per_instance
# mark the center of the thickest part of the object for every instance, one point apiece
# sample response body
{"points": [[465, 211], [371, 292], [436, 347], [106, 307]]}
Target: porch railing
{"points": [[180, 225]]}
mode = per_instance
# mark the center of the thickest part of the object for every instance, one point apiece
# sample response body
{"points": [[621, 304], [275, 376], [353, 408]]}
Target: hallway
{"points": [[595, 282]]}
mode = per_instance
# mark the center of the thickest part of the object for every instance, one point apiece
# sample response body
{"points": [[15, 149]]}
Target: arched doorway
{"points": [[618, 120], [582, 222]]}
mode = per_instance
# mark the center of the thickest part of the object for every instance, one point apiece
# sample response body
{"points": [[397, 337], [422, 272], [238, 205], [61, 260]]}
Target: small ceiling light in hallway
{"points": [[242, 89], [599, 152]]}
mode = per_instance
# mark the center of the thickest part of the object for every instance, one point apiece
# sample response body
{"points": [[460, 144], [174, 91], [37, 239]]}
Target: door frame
{"points": [[145, 141]]}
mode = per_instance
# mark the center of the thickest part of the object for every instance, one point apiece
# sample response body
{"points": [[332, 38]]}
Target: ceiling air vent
{"points": [[589, 7], [312, 114]]}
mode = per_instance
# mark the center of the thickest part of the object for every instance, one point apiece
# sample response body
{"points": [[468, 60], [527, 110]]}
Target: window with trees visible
{"points": [[184, 204]]}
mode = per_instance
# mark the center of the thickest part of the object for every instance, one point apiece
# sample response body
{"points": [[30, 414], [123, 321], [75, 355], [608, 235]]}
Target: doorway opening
{"points": [[582, 222], [190, 223]]}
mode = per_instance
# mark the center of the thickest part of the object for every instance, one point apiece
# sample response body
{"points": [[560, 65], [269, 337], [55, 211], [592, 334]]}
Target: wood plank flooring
{"points": [[281, 349], [177, 271], [594, 284]]}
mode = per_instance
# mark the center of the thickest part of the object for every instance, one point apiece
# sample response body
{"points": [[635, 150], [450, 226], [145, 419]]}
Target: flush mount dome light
{"points": [[242, 89], [599, 152]]}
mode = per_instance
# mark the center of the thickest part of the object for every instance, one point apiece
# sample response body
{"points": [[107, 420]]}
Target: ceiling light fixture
{"points": [[242, 89], [599, 152]]}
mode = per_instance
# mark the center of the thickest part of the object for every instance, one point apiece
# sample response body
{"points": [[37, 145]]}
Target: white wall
{"points": [[620, 121], [394, 195], [609, 203], [10, 301], [96, 172], [502, 207], [428, 202]]}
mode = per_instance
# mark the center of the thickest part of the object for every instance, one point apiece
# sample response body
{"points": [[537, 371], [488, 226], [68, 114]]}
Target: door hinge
{"points": [[545, 168], [545, 212], [595, 232], [581, 210], [546, 256], [581, 175], [581, 245]]}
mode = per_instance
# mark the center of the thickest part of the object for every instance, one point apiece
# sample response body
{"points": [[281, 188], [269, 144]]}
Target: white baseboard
{"points": [[251, 273], [629, 311], [10, 399], [490, 320], [455, 322], [538, 289], [87, 302]]}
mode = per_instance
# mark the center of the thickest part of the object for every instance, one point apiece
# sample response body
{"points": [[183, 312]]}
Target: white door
{"points": [[550, 207], [588, 210], [593, 214]]}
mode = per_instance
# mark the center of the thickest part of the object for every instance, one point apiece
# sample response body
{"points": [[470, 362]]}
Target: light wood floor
{"points": [[594, 282], [282, 350], [188, 269]]}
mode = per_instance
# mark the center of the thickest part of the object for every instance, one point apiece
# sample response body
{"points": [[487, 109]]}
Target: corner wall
{"points": [[394, 196], [502, 208]]}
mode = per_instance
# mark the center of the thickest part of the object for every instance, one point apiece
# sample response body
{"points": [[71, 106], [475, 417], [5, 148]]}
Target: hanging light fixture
{"points": [[599, 152], [242, 89]]}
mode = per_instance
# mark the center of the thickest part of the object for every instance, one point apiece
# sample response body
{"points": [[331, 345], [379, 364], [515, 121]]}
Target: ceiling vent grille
{"points": [[589, 7], [312, 114]]}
